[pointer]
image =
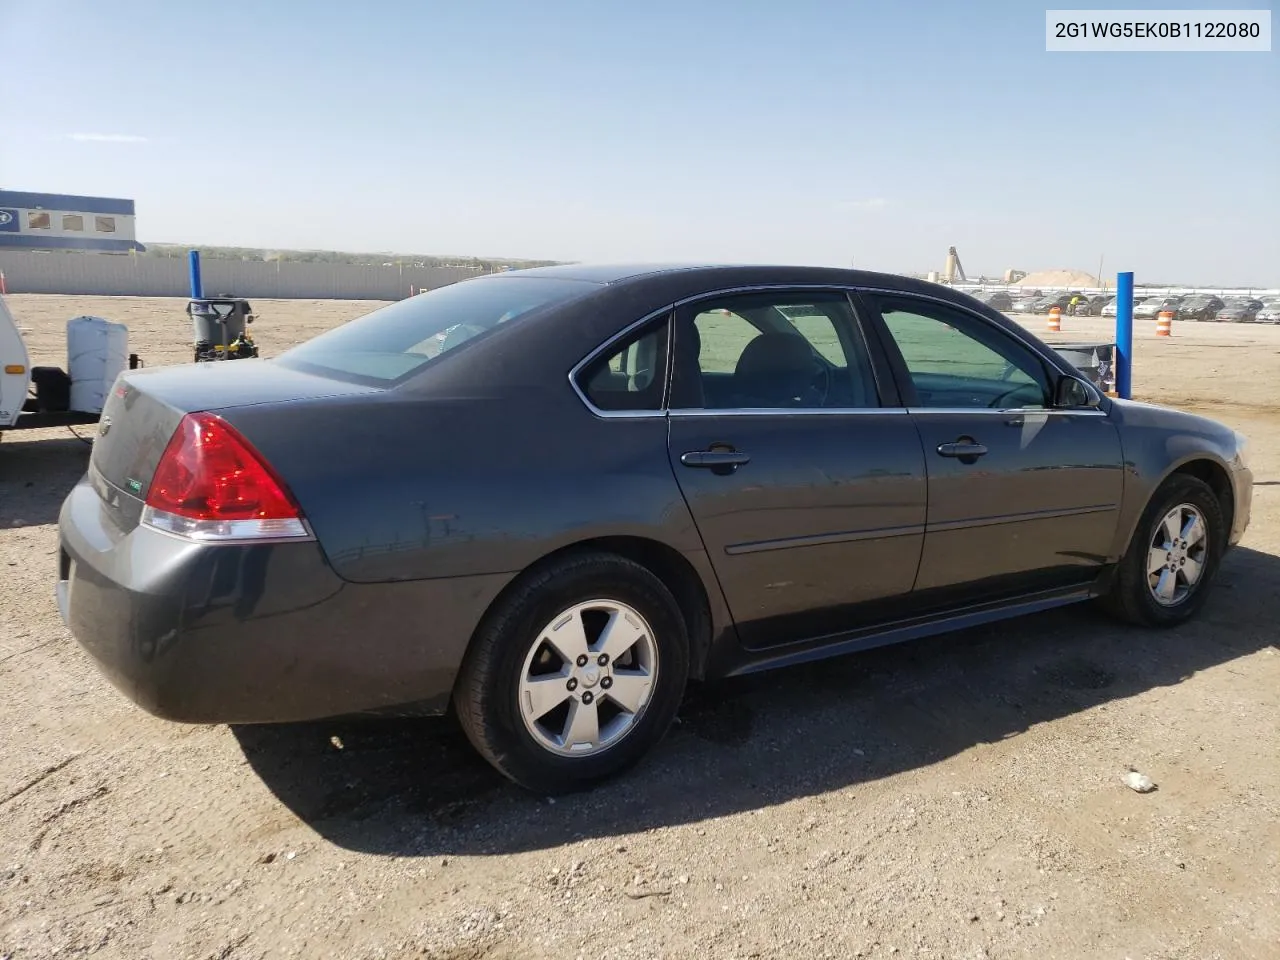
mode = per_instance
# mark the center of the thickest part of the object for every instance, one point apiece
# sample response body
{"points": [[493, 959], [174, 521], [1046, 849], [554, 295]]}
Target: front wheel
{"points": [[576, 674], [1164, 577]]}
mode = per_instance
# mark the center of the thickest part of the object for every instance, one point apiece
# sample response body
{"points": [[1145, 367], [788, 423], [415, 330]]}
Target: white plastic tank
{"points": [[97, 353]]}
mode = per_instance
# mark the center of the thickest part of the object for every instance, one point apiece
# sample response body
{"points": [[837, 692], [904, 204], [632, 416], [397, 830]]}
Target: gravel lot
{"points": [[959, 797]]}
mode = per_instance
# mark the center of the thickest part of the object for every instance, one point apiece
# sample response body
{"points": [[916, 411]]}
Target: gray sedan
{"points": [[1244, 310], [603, 482], [1149, 309]]}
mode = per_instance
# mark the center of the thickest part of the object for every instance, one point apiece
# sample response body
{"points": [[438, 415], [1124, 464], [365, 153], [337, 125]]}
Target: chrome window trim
{"points": [[1012, 411], [788, 412], [625, 414], [665, 411], [883, 411], [622, 334]]}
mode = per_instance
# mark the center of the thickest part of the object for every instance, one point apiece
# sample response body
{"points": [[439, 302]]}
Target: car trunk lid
{"points": [[145, 407]]}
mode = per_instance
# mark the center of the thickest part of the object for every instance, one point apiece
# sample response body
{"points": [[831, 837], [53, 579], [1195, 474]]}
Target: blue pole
{"points": [[1124, 335], [193, 268]]}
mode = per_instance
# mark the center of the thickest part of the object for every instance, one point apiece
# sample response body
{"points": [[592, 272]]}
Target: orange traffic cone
{"points": [[1055, 319], [1164, 323]]}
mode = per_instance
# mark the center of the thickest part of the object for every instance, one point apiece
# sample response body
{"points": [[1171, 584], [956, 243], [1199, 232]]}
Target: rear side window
{"points": [[390, 344], [631, 376], [780, 349]]}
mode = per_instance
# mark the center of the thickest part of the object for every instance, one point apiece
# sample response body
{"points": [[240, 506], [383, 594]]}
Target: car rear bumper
{"points": [[255, 633]]}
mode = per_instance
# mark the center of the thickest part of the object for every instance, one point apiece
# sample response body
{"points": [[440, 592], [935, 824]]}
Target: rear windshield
{"points": [[394, 342]]}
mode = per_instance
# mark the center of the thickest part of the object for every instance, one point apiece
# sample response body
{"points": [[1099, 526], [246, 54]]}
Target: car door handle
{"points": [[964, 449], [721, 461]]}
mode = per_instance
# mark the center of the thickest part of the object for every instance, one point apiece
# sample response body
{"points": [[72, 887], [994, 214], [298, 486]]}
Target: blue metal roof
{"points": [[66, 201]]}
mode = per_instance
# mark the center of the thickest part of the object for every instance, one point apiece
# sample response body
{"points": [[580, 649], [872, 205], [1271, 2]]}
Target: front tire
{"points": [[1164, 577], [575, 674]]}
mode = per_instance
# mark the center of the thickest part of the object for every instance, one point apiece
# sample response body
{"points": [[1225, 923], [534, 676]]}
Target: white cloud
{"points": [[107, 138], [873, 203]]}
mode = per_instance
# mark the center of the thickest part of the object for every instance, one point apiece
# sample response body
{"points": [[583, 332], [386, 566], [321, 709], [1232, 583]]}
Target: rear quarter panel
{"points": [[402, 487]]}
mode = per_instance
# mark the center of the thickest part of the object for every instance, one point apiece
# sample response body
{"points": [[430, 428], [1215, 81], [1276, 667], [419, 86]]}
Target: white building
{"points": [[56, 221]]}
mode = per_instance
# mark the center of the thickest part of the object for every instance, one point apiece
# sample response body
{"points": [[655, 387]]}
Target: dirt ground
{"points": [[959, 797]]}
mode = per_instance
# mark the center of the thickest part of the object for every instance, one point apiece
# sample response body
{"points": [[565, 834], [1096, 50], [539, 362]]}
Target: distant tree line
{"points": [[255, 254]]}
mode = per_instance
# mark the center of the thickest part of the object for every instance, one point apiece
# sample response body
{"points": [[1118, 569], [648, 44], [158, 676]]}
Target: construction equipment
{"points": [[953, 272], [219, 328]]}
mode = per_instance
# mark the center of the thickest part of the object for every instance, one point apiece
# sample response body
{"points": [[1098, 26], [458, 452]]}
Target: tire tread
{"points": [[474, 691], [1128, 598]]}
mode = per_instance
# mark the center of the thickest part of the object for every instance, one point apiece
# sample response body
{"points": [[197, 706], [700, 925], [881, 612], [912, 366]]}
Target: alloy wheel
{"points": [[588, 677], [1177, 555]]}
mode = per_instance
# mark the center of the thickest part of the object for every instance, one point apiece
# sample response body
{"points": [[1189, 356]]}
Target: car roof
{"points": [[605, 272], [619, 273], [560, 337]]}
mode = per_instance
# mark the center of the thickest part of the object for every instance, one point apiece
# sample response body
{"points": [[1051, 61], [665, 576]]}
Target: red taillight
{"points": [[210, 484]]}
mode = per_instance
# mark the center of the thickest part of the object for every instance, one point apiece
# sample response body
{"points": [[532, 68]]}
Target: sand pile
{"points": [[1058, 278]]}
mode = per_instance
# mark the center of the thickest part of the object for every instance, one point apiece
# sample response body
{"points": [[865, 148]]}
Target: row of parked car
{"points": [[1193, 306]]}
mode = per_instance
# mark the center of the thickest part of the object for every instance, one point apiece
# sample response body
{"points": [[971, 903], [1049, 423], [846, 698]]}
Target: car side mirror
{"points": [[1074, 392]]}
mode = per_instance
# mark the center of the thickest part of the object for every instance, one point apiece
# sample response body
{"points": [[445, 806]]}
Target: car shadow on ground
{"points": [[37, 474], [415, 787]]}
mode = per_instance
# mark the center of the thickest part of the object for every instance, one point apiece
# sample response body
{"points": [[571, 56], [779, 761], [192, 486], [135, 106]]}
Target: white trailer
{"points": [[97, 352]]}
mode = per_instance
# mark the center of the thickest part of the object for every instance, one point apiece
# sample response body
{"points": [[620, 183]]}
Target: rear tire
{"points": [[1163, 579], [575, 674]]}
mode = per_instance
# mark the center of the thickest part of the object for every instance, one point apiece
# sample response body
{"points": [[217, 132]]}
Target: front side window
{"points": [[774, 350], [632, 376], [955, 359], [104, 224], [393, 342]]}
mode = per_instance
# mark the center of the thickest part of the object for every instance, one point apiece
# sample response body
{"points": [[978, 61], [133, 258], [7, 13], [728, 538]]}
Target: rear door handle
{"points": [[963, 449], [720, 461]]}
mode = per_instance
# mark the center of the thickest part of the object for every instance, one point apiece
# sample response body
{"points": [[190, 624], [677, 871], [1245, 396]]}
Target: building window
{"points": [[72, 221], [105, 224], [37, 221]]}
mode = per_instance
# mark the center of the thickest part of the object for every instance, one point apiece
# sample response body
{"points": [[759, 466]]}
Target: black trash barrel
{"points": [[218, 321]]}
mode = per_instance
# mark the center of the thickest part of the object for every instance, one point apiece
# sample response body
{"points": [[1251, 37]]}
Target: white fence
{"points": [[1225, 292], [119, 275]]}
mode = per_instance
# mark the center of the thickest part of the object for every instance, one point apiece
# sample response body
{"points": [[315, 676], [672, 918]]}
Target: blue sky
{"points": [[867, 133]]}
